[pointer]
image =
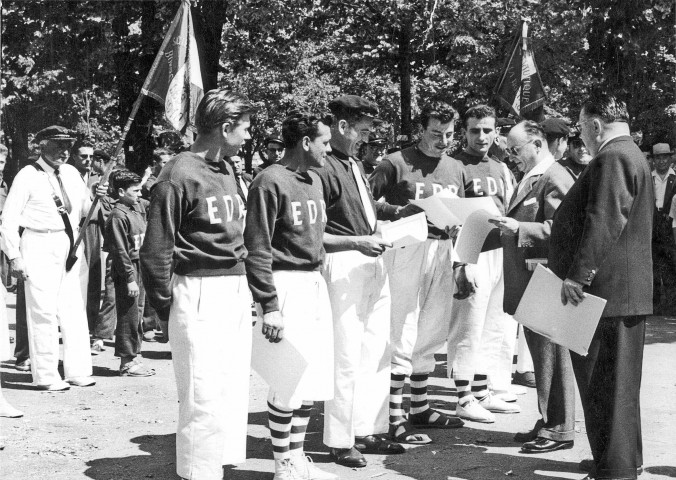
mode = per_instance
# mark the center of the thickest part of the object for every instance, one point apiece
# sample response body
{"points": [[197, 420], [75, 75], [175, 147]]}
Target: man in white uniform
{"points": [[47, 200]]}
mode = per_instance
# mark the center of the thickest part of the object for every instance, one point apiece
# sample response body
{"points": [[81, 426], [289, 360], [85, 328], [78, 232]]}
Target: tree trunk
{"points": [[404, 66]]}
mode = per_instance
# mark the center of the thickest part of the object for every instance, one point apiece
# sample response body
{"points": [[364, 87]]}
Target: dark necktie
{"points": [[64, 195]]}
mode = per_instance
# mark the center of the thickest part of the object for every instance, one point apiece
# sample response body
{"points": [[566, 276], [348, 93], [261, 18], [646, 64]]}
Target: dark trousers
{"points": [[609, 380], [555, 387], [21, 350], [129, 331], [92, 247], [107, 318]]}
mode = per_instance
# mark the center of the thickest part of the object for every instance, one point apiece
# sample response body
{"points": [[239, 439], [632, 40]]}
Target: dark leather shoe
{"points": [[523, 437], [377, 444], [543, 445], [348, 457], [527, 379]]}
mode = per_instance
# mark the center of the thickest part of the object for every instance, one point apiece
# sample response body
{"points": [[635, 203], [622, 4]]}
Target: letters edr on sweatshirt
{"points": [[195, 223], [286, 217]]}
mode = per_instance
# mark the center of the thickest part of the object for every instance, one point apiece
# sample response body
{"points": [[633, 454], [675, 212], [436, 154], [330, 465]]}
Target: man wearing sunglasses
{"points": [[578, 156], [524, 235]]}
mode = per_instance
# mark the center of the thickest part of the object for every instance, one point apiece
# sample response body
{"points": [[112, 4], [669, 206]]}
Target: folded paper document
{"points": [[541, 310], [406, 231]]}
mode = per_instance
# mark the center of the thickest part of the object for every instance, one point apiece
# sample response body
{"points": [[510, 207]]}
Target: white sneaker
{"points": [[305, 468], [493, 404], [505, 396], [284, 470], [474, 412], [518, 389]]}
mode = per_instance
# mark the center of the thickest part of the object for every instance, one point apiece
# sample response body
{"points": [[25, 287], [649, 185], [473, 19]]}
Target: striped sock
{"points": [[279, 422], [396, 398], [419, 402], [480, 386], [299, 422], [464, 391]]}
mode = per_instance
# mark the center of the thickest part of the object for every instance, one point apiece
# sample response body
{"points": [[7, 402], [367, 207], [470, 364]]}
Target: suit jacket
{"points": [[602, 230], [533, 207], [247, 181]]}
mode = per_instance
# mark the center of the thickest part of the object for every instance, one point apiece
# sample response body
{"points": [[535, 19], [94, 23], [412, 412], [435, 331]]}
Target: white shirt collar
{"points": [[45, 166], [538, 169], [658, 177]]}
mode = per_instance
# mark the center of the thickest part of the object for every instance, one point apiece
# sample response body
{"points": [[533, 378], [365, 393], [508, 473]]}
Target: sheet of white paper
{"points": [[437, 213], [266, 358], [473, 234], [541, 310], [406, 231], [462, 208]]}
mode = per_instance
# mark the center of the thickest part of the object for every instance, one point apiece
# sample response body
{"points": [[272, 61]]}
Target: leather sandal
{"points": [[404, 433], [433, 419], [136, 369], [377, 444]]}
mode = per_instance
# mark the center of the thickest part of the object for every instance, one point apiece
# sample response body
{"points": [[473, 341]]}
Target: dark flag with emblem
{"points": [[520, 88], [175, 79]]}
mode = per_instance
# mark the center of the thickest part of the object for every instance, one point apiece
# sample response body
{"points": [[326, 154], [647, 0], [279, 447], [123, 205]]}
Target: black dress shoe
{"points": [[348, 457], [543, 445], [523, 437], [377, 444]]}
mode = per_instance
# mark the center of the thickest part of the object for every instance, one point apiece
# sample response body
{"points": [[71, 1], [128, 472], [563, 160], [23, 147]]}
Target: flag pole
{"points": [[72, 257]]}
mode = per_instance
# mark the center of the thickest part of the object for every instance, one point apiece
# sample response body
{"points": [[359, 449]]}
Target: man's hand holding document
{"points": [[571, 325], [446, 211]]}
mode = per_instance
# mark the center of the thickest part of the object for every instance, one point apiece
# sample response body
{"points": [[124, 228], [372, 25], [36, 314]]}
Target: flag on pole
{"points": [[520, 88], [175, 79]]}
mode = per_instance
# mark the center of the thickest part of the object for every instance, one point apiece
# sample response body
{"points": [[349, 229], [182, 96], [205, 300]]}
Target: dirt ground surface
{"points": [[123, 428]]}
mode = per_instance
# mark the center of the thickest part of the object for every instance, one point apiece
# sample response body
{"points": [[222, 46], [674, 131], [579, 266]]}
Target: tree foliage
{"points": [[81, 63]]}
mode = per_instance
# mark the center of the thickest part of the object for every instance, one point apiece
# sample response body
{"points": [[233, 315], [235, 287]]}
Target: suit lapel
{"points": [[519, 196]]}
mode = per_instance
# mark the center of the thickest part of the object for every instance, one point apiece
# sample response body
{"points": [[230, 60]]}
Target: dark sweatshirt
{"points": [[286, 216], [195, 223], [411, 175], [123, 237]]}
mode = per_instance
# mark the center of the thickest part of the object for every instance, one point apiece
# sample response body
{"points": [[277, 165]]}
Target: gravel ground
{"points": [[123, 428]]}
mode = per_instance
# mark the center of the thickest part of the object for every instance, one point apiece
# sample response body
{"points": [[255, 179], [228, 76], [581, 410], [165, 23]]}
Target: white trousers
{"points": [[524, 361], [360, 302], [305, 307], [482, 336], [421, 285], [55, 298], [5, 348], [210, 336]]}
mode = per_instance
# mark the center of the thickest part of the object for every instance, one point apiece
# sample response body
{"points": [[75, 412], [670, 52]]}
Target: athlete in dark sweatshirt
{"points": [[286, 216], [195, 229]]}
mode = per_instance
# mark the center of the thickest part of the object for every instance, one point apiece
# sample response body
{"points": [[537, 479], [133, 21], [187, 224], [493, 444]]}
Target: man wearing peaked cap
{"points": [[374, 150], [274, 151], [48, 199], [557, 132]]}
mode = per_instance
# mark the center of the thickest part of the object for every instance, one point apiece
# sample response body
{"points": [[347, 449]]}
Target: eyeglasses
{"points": [[578, 125], [513, 152]]}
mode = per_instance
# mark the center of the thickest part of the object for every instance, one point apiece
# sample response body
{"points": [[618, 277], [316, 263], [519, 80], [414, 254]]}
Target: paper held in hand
{"points": [[541, 310], [406, 231]]}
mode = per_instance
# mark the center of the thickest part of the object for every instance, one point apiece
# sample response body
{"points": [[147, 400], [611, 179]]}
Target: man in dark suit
{"points": [[664, 261], [525, 235], [599, 245], [242, 178]]}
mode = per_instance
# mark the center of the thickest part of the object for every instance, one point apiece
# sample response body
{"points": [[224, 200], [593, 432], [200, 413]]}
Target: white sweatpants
{"points": [[360, 302], [421, 286], [55, 298], [210, 336], [482, 336]]}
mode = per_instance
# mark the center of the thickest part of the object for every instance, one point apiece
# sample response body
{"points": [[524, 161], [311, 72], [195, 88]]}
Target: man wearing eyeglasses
{"points": [[525, 235], [82, 158], [599, 245]]}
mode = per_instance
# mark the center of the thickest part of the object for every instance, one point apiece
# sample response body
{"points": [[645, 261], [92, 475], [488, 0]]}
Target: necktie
{"points": [[364, 194], [245, 190], [64, 195]]}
